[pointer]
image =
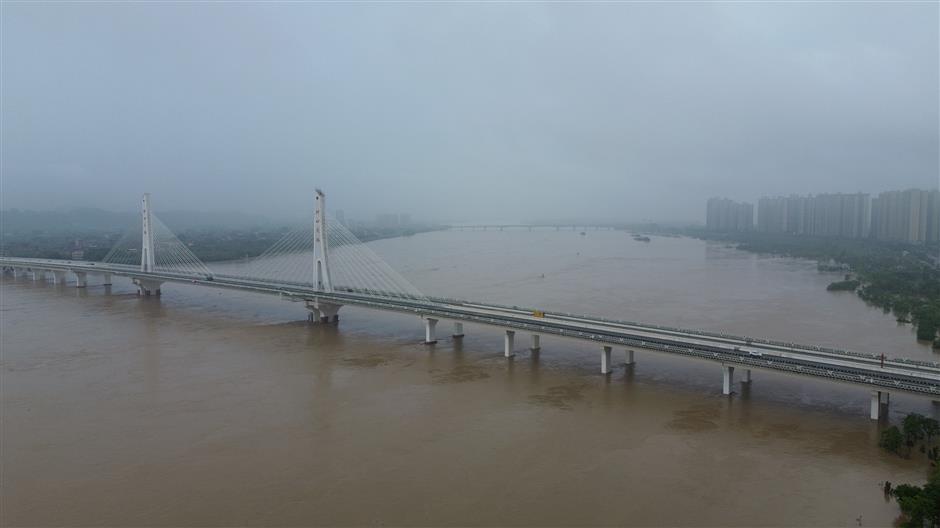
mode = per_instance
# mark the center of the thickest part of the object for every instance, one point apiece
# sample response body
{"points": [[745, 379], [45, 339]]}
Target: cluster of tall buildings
{"points": [[842, 215], [723, 214], [911, 216]]}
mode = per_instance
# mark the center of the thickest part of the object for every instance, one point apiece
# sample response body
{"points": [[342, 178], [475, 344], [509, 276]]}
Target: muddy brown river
{"points": [[212, 408]]}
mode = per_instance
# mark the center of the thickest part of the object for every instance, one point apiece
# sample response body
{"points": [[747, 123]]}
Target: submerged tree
{"points": [[891, 439], [920, 505]]}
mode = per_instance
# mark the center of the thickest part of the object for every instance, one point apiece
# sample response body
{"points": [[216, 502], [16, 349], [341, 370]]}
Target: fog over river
{"points": [[211, 407]]}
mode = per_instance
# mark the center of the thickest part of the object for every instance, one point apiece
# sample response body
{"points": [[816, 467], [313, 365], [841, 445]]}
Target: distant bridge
{"points": [[301, 268]]}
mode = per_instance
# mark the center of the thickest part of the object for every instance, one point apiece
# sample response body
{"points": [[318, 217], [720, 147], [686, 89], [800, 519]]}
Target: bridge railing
{"points": [[705, 333], [884, 380]]}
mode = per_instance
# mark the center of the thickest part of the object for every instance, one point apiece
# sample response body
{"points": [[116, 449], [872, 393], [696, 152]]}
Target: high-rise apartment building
{"points": [[722, 214], [911, 216], [772, 215], [846, 215]]}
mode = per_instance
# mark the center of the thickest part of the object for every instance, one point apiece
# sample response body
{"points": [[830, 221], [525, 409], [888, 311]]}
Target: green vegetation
{"points": [[892, 439], [899, 278], [846, 285], [920, 505]]}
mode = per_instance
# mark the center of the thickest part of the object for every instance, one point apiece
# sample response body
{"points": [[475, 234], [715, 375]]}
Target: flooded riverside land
{"points": [[209, 407]]}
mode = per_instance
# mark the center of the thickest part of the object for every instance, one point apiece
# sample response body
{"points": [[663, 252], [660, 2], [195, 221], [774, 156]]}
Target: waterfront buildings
{"points": [[911, 216], [723, 214], [845, 215]]}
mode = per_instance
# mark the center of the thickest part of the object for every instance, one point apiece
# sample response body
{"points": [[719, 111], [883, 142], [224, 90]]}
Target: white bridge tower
{"points": [[147, 262], [320, 310], [321, 260], [146, 286]]}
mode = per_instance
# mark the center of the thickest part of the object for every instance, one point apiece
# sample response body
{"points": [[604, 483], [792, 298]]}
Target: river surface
{"points": [[211, 408]]}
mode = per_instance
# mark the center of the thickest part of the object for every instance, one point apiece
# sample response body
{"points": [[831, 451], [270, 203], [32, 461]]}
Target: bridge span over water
{"points": [[371, 284]]}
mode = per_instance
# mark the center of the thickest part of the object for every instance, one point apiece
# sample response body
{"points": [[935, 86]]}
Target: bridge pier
{"points": [[147, 286], [728, 379], [747, 376], [323, 312], [876, 401], [59, 278], [536, 346], [80, 279], [508, 343], [107, 279], [630, 360], [38, 275], [605, 359], [458, 330], [429, 327]]}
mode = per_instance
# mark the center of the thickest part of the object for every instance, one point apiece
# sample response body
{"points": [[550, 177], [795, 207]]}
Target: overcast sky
{"points": [[465, 112]]}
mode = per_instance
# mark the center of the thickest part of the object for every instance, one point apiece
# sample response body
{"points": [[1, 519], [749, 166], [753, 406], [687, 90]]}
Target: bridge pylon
{"points": [[323, 312], [147, 257], [321, 261]]}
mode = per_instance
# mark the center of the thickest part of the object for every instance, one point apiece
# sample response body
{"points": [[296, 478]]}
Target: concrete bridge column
{"points": [[107, 279], [728, 379], [458, 330], [630, 360], [329, 313], [876, 401], [747, 376], [39, 275], [80, 279], [605, 360], [147, 286], [429, 327], [508, 343], [536, 346]]}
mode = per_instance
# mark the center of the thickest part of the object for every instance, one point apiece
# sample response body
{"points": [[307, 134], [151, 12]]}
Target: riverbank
{"points": [[900, 279]]}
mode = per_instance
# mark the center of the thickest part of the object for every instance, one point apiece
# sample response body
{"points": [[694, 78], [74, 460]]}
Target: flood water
{"points": [[210, 408]]}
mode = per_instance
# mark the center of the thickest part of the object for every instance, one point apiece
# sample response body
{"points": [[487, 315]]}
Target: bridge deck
{"points": [[895, 374]]}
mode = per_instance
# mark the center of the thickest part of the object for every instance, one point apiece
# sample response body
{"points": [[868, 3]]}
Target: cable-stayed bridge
{"points": [[326, 267]]}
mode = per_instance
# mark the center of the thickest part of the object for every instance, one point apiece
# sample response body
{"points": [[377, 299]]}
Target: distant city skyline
{"points": [[909, 215]]}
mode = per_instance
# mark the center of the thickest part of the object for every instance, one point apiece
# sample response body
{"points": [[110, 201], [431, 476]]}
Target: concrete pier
{"points": [[148, 287], [508, 343], [430, 325], [536, 345], [630, 359], [39, 275], [458, 330], [81, 279], [728, 379], [747, 376], [107, 279], [59, 278], [877, 398], [605, 359]]}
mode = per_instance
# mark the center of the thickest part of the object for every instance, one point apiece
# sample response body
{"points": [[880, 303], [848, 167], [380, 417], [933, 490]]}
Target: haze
{"points": [[464, 112]]}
